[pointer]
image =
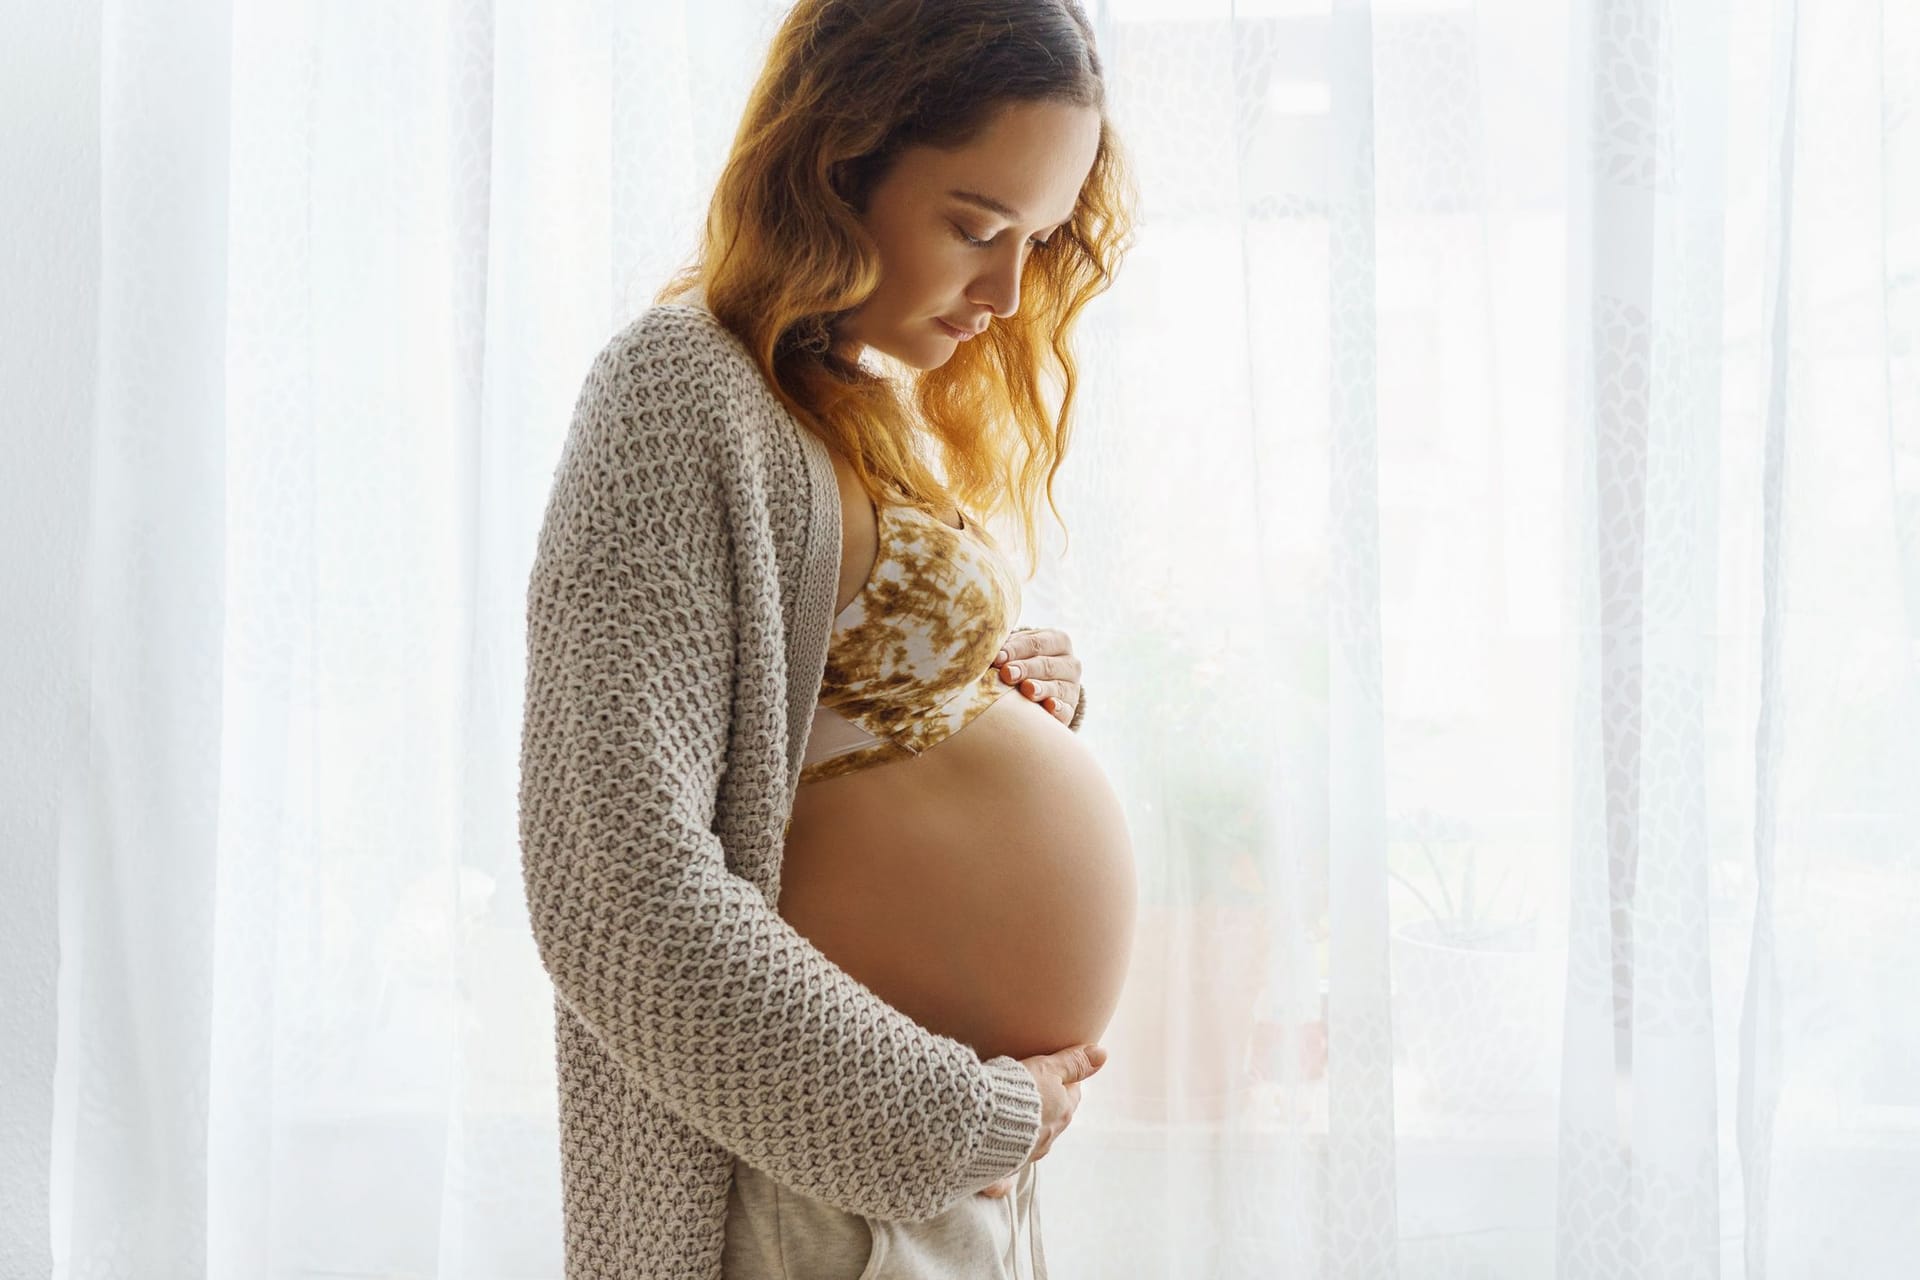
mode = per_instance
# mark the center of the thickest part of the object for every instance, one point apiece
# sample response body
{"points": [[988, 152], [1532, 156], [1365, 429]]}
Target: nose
{"points": [[999, 289]]}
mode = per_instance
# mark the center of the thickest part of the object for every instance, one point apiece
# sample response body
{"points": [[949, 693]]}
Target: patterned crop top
{"points": [[910, 660]]}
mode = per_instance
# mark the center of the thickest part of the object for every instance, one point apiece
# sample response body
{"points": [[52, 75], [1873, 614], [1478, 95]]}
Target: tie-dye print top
{"points": [[910, 660]]}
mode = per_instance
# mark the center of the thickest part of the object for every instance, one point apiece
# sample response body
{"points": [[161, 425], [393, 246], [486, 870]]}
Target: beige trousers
{"points": [[776, 1233]]}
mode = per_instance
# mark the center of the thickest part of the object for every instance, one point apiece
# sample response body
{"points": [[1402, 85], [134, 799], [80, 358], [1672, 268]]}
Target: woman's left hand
{"points": [[1040, 661], [1004, 1187]]}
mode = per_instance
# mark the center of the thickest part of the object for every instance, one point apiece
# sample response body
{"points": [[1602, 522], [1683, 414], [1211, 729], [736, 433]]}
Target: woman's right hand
{"points": [[1059, 1076]]}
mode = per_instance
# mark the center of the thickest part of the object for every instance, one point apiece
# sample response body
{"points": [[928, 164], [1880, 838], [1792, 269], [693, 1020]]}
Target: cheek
{"points": [[919, 256], [918, 283]]}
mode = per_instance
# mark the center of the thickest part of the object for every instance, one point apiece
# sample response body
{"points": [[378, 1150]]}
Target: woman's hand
{"points": [[1004, 1187], [1040, 661], [1058, 1075]]}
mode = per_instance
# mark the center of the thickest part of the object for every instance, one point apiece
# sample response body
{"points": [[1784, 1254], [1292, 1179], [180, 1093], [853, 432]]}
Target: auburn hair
{"points": [[847, 86]]}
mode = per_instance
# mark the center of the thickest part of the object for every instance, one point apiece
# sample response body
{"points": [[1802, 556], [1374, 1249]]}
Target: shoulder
{"points": [[681, 353], [672, 380], [676, 381]]}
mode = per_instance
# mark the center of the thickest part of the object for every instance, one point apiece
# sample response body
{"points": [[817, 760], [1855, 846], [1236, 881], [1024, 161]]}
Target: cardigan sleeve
{"points": [[697, 987]]}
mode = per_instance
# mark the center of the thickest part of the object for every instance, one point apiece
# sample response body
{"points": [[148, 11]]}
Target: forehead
{"points": [[1033, 157]]}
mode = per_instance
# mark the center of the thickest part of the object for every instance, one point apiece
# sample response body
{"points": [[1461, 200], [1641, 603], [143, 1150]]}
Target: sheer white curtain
{"points": [[1495, 539]]}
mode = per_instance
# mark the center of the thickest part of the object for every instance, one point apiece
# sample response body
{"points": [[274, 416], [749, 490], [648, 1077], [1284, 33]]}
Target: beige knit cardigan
{"points": [[678, 614]]}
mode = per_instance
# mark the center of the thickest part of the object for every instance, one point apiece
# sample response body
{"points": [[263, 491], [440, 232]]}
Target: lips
{"points": [[958, 332]]}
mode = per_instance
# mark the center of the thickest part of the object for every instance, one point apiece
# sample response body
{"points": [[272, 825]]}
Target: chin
{"points": [[922, 358], [911, 349]]}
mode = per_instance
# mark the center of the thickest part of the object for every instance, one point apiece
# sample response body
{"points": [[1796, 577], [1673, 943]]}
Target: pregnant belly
{"points": [[985, 887]]}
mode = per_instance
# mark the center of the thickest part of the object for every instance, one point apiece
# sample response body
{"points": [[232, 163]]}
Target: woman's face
{"points": [[1032, 161]]}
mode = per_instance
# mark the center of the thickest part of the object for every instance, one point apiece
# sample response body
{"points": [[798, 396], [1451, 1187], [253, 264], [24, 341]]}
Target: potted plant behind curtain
{"points": [[1472, 984], [1178, 1044]]}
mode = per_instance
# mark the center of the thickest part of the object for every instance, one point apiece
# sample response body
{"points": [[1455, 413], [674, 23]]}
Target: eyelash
{"points": [[981, 244]]}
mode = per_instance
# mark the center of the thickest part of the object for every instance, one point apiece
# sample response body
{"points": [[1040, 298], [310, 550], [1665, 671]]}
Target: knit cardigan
{"points": [[678, 613]]}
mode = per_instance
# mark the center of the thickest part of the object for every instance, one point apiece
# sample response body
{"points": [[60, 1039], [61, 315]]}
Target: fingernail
{"points": [[1014, 670], [1001, 658]]}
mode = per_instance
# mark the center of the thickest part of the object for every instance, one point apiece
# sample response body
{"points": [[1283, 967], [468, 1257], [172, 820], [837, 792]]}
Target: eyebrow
{"points": [[990, 204]]}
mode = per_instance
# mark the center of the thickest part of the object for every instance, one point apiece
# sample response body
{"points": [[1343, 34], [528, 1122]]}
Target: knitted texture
{"points": [[678, 613]]}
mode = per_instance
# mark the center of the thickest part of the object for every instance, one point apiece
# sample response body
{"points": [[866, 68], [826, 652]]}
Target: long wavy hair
{"points": [[847, 86]]}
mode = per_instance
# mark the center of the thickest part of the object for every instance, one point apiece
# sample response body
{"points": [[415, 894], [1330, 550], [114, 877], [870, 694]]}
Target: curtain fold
{"points": [[1495, 525]]}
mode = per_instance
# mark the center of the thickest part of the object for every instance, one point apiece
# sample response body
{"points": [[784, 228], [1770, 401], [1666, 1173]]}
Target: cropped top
{"points": [[910, 659]]}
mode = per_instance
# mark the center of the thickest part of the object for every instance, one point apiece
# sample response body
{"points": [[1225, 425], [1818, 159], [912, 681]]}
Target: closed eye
{"points": [[981, 244]]}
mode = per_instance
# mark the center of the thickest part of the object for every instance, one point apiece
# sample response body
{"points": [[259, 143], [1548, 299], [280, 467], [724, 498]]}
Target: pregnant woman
{"points": [[835, 903]]}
